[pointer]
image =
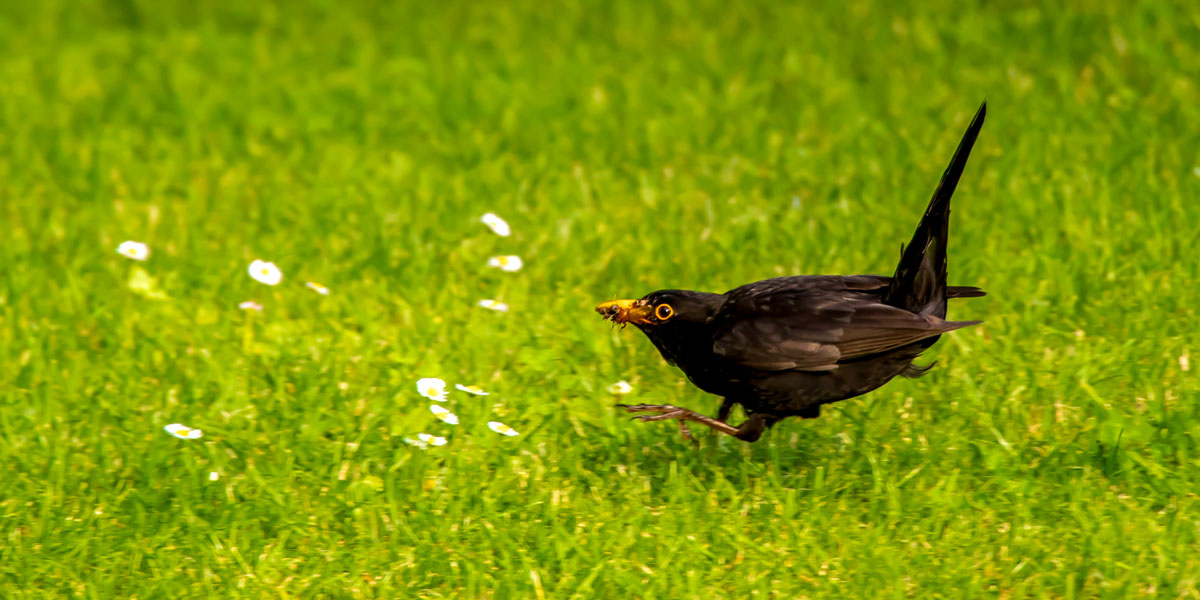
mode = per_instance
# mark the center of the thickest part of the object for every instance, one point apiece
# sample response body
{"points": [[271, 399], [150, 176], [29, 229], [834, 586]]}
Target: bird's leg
{"points": [[750, 430]]}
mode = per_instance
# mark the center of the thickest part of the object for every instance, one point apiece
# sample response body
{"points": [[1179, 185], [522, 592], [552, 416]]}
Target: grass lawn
{"points": [[1054, 452]]}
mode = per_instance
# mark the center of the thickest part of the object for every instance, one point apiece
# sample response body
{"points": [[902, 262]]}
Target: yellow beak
{"points": [[625, 311]]}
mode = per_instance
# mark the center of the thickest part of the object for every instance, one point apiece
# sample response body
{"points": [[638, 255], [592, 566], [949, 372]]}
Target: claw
{"points": [[748, 431], [648, 407], [673, 414], [686, 432]]}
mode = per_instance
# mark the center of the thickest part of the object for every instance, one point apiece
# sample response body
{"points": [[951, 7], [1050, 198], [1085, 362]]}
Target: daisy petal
{"points": [[432, 388], [134, 250], [470, 389], [509, 263], [443, 414], [496, 224], [499, 427], [265, 272], [495, 305], [250, 305], [432, 440], [183, 432], [417, 443], [620, 388], [316, 287]]}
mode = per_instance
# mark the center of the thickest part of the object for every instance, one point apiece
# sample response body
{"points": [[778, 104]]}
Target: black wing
{"points": [[813, 323]]}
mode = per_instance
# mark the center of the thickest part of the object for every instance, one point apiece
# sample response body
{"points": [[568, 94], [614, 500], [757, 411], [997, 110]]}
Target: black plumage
{"points": [[783, 347]]}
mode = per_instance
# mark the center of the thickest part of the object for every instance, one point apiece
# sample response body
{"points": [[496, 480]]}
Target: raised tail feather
{"points": [[964, 291], [919, 284]]}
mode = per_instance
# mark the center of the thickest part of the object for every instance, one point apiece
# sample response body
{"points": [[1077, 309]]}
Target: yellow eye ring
{"points": [[664, 312]]}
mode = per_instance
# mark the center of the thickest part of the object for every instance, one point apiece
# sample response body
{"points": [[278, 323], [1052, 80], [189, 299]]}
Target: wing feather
{"points": [[812, 323]]}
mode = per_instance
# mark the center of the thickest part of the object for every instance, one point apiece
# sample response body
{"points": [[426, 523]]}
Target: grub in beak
{"points": [[625, 311]]}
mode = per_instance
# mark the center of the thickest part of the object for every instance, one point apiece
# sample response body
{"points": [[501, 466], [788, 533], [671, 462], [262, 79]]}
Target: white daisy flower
{"points": [[432, 440], [496, 224], [495, 305], [499, 427], [432, 388], [510, 263], [620, 388], [134, 250], [265, 272], [443, 414], [250, 305], [316, 287], [183, 432], [470, 389], [417, 443], [213, 476]]}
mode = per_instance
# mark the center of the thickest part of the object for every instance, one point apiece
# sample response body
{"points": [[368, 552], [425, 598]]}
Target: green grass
{"points": [[1053, 453]]}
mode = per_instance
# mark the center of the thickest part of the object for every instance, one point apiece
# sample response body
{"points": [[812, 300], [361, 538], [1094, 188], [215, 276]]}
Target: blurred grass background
{"points": [[632, 146]]}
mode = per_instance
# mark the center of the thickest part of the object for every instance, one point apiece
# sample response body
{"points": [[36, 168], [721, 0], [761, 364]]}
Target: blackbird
{"points": [[783, 347]]}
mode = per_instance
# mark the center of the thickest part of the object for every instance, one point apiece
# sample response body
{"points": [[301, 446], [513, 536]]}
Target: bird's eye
{"points": [[664, 312]]}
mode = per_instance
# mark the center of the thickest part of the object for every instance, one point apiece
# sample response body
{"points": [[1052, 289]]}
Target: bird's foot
{"points": [[749, 431], [686, 432], [658, 408], [666, 411]]}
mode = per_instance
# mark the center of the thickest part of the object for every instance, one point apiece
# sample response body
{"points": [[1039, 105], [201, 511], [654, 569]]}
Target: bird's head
{"points": [[676, 321], [663, 309]]}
